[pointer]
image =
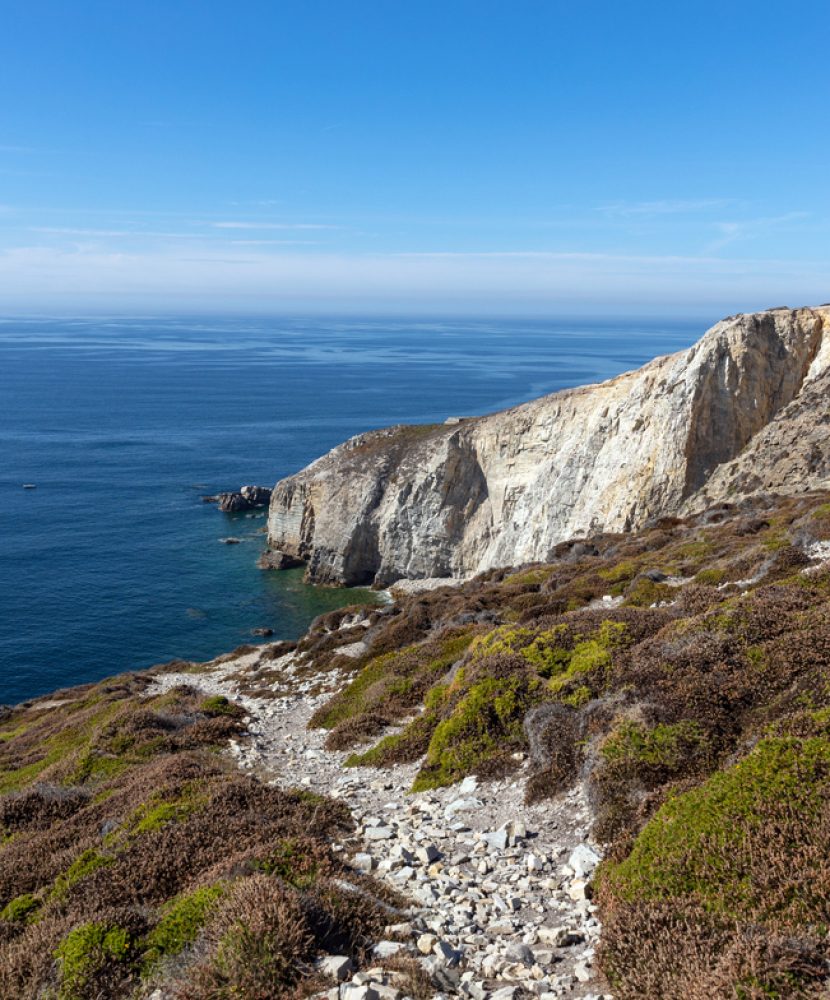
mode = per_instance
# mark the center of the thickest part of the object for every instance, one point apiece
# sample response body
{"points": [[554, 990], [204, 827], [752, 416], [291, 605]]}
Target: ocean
{"points": [[114, 562]]}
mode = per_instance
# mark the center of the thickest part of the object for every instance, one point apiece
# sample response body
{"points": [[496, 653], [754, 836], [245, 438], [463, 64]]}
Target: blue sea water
{"points": [[114, 562]]}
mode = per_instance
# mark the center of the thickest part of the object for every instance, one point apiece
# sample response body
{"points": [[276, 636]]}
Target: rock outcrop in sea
{"points": [[743, 409], [247, 498]]}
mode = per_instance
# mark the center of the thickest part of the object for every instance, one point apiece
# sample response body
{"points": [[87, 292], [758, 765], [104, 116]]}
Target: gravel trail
{"points": [[497, 887]]}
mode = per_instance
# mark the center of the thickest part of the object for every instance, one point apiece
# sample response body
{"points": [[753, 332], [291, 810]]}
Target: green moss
{"points": [[642, 593], [289, 860], [218, 704], [591, 654], [664, 745], [775, 539], [436, 696], [756, 656], [85, 951], [11, 734], [578, 697], [486, 723], [62, 747], [710, 577], [694, 550], [84, 865], [407, 745], [703, 844], [181, 921], [623, 571], [392, 674], [156, 813], [94, 766], [21, 909], [529, 577], [546, 654]]}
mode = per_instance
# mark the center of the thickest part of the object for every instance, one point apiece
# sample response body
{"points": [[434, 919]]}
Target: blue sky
{"points": [[526, 157]]}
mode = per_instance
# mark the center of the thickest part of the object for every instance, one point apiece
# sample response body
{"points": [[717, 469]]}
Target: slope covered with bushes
{"points": [[132, 853], [683, 674]]}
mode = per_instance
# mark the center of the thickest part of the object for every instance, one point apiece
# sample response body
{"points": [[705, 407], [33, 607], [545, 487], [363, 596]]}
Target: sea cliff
{"points": [[456, 499]]}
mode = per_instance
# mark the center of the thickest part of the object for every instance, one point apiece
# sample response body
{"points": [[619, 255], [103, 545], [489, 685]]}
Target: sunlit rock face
{"points": [[695, 427]]}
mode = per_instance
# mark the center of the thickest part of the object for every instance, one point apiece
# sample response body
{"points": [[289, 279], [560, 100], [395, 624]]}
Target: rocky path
{"points": [[497, 887]]}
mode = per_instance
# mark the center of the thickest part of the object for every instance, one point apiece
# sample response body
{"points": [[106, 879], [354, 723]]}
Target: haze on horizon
{"points": [[377, 157]]}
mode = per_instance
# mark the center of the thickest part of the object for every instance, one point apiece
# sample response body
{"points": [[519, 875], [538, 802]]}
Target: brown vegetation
{"points": [[130, 851], [655, 667]]}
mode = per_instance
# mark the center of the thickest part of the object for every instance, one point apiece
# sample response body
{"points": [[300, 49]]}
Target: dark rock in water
{"points": [[232, 503], [262, 631], [207, 499], [248, 498], [277, 560], [257, 496], [230, 541]]}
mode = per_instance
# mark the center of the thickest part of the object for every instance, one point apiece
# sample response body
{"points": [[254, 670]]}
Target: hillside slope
{"points": [[452, 500], [663, 692]]}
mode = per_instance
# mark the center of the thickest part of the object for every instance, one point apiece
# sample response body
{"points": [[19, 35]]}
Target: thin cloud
{"points": [[110, 233], [670, 206], [749, 229], [273, 243], [271, 225]]}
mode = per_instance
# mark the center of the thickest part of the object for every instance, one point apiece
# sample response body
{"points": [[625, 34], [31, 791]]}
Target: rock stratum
{"points": [[745, 408]]}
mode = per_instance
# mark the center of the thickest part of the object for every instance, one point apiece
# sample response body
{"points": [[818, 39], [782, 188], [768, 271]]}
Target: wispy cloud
{"points": [[669, 206], [220, 275], [110, 233], [749, 229], [271, 225], [274, 243]]}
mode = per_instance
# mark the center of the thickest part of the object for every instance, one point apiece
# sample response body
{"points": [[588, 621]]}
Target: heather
{"points": [[133, 852], [680, 673]]}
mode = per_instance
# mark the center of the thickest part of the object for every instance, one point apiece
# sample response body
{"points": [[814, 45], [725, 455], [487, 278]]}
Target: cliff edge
{"points": [[504, 489]]}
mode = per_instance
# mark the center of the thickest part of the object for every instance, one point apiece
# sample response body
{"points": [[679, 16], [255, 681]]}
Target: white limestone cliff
{"points": [[504, 489]]}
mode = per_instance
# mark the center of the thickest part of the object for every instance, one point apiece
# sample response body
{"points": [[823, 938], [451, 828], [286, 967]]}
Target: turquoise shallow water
{"points": [[114, 562]]}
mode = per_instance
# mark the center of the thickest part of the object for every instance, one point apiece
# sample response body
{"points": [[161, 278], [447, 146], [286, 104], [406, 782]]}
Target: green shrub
{"points": [[218, 704], [181, 921], [85, 952], [21, 909], [485, 724], [706, 844], [665, 746], [590, 655], [87, 863]]}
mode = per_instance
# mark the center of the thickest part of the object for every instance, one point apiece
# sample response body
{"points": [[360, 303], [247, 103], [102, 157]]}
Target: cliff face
{"points": [[505, 488]]}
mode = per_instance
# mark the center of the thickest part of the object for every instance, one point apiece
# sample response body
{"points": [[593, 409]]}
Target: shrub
{"points": [[20, 909], [181, 922], [86, 952], [485, 724]]}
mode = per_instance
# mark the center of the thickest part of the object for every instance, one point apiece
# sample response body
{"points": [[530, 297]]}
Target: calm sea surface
{"points": [[114, 562]]}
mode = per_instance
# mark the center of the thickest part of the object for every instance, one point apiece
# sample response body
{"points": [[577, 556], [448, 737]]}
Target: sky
{"points": [[523, 157]]}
